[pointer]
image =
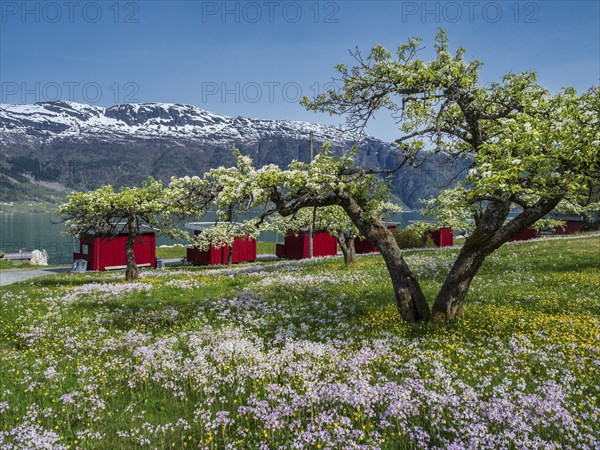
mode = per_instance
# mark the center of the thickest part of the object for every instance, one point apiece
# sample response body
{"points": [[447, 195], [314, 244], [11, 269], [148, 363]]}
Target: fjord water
{"points": [[31, 231]]}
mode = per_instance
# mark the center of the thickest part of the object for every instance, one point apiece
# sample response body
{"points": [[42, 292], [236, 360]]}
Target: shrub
{"points": [[407, 238]]}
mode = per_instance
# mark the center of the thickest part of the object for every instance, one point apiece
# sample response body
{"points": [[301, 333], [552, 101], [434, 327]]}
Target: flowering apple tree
{"points": [[327, 181], [529, 149], [223, 234], [230, 192], [108, 213]]}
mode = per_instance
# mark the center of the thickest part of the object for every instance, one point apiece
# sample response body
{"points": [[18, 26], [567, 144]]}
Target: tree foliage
{"points": [[108, 213], [530, 149]]}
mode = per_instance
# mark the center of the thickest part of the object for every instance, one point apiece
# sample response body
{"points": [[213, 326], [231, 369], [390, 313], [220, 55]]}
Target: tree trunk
{"points": [[230, 255], [132, 270], [346, 242], [311, 235], [491, 232], [449, 301], [424, 240], [410, 299]]}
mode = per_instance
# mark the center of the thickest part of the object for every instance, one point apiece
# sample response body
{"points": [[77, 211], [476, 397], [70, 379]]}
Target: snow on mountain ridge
{"points": [[55, 119]]}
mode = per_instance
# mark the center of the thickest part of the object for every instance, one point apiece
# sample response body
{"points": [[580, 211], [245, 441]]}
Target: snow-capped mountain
{"points": [[83, 146], [61, 119]]}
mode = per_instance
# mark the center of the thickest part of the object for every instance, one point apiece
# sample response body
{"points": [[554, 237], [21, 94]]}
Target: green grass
{"points": [[265, 248], [12, 264], [23, 264], [177, 251], [310, 354]]}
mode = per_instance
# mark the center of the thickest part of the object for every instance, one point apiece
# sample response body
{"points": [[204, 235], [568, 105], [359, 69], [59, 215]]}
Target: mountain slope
{"points": [[82, 147]]}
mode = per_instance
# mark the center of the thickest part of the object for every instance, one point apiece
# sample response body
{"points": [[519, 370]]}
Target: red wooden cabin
{"points": [[525, 235], [572, 225], [244, 249], [442, 237], [364, 245], [107, 253], [296, 246]]}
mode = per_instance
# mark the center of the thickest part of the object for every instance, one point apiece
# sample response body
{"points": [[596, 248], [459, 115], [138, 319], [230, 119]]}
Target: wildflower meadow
{"points": [[306, 355]]}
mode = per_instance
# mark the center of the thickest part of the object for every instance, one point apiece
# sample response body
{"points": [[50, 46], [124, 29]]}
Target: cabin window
{"points": [[84, 249]]}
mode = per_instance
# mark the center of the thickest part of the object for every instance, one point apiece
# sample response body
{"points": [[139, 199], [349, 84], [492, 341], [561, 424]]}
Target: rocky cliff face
{"points": [[83, 146]]}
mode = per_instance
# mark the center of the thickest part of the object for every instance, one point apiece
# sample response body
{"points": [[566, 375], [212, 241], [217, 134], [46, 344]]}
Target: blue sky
{"points": [[256, 58]]}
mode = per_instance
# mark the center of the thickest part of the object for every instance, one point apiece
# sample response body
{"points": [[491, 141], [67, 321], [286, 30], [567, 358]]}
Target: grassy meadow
{"points": [[306, 355], [179, 251]]}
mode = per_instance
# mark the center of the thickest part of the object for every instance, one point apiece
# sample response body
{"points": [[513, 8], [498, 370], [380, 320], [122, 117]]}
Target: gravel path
{"points": [[14, 276]]}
